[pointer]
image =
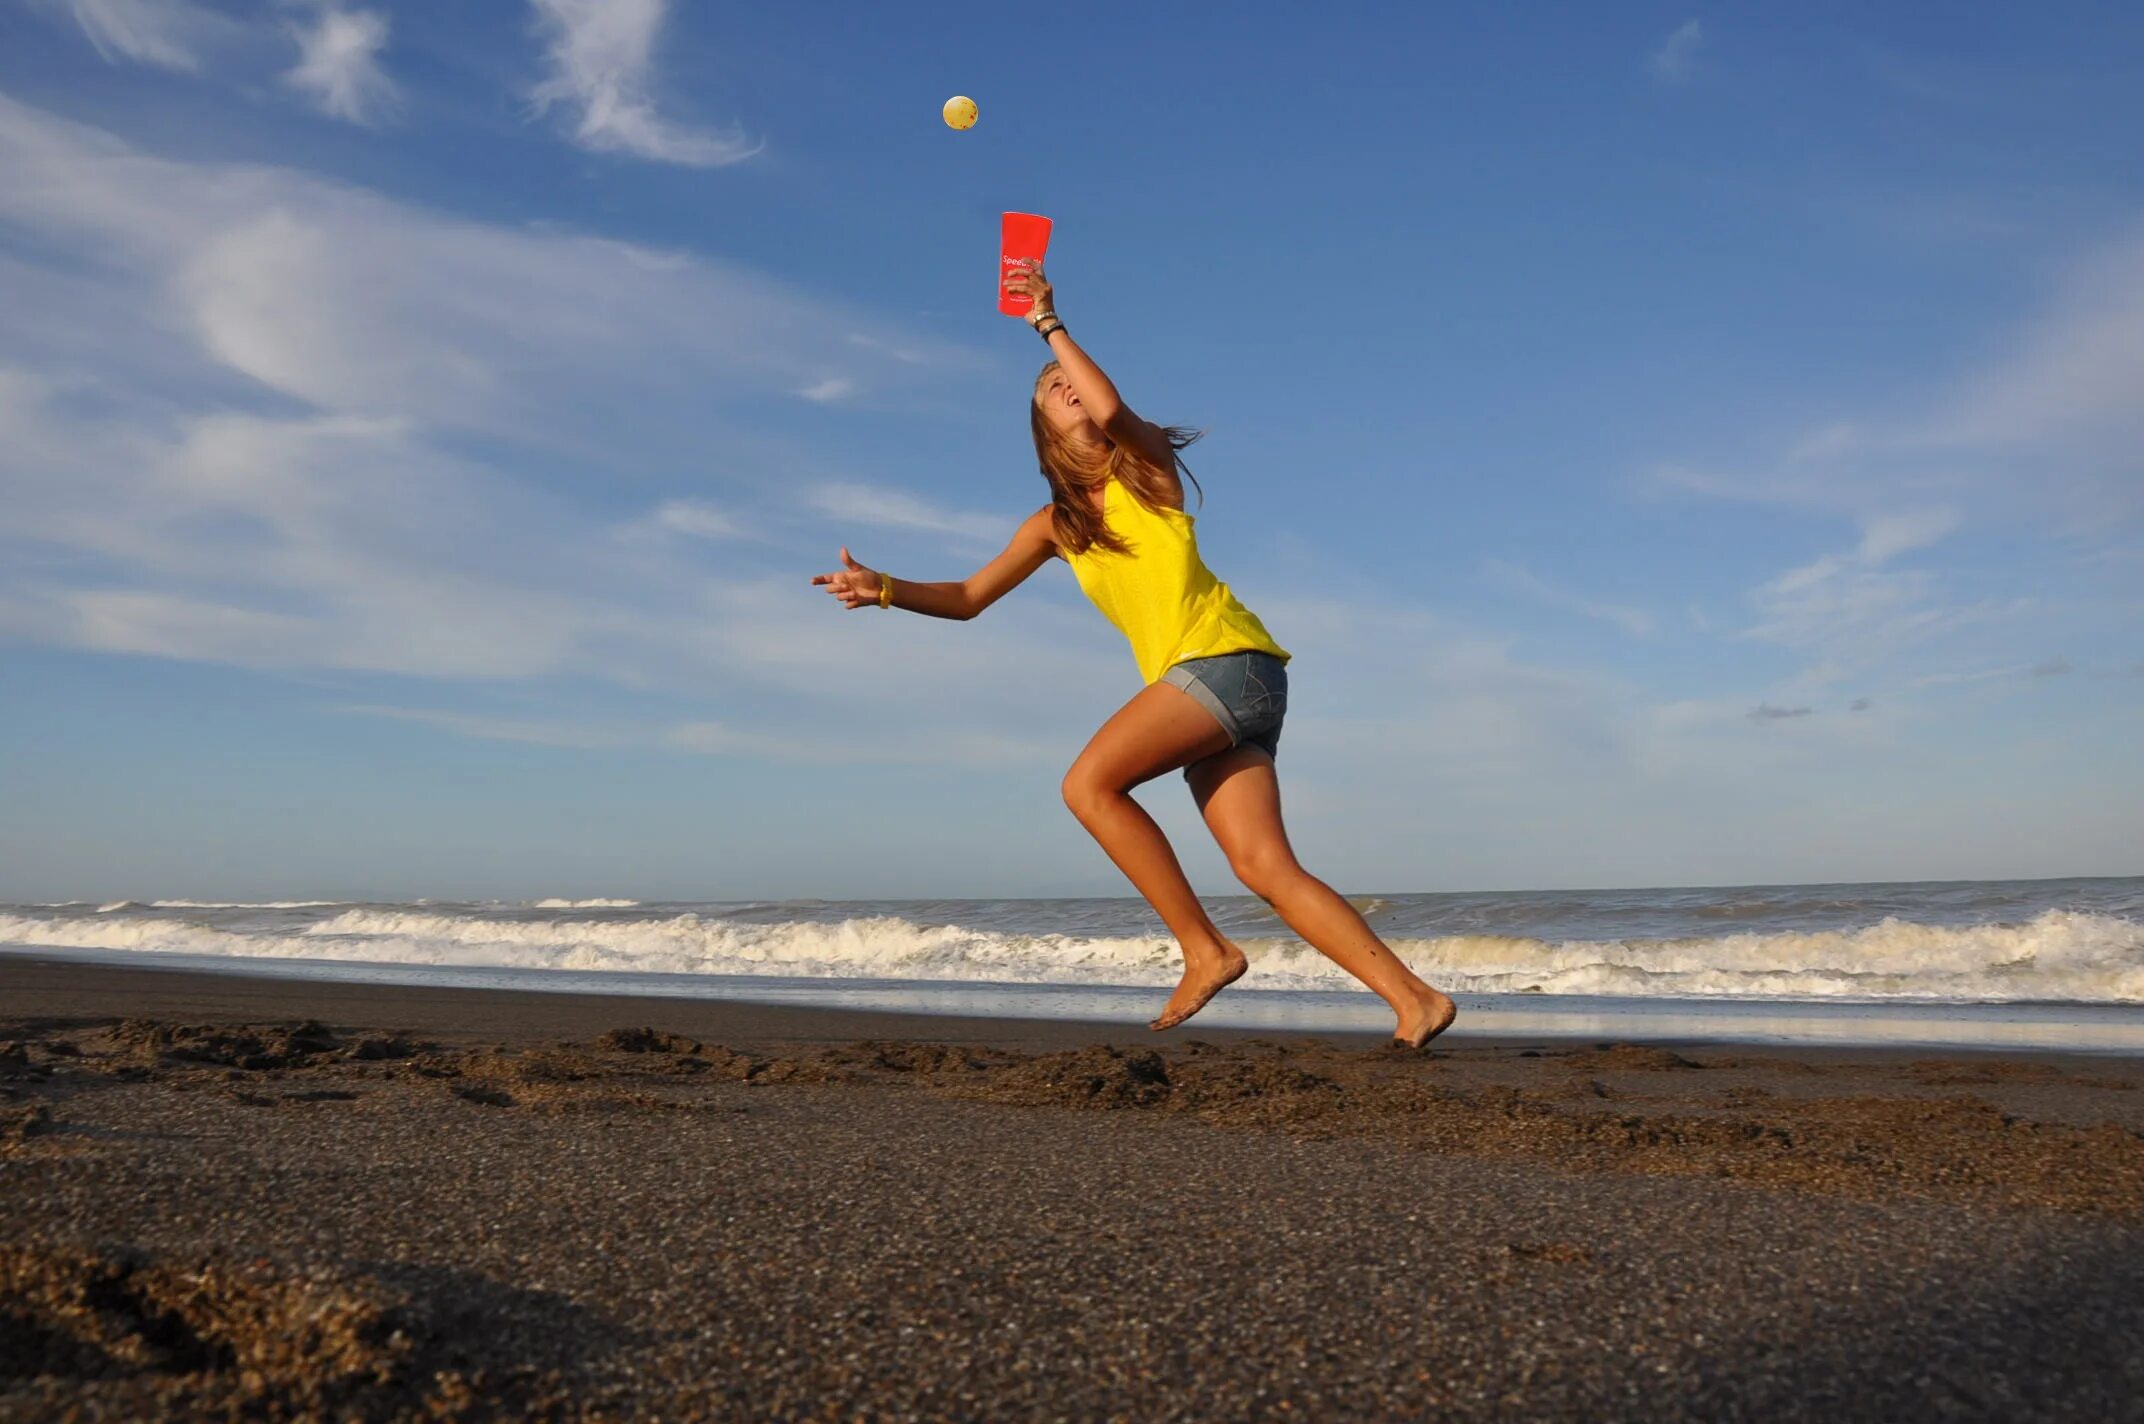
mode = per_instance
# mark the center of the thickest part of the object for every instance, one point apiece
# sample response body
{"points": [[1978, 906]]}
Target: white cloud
{"points": [[2078, 369], [1436, 754], [702, 521], [1886, 536], [2046, 667], [1883, 537], [933, 745], [925, 746], [898, 353], [1379, 687], [2043, 443], [2051, 433], [348, 301], [1677, 56], [601, 54], [493, 729], [897, 509], [833, 388], [165, 34], [324, 542], [1521, 580], [1948, 679], [240, 409], [1849, 609], [1831, 441], [119, 620], [339, 65]]}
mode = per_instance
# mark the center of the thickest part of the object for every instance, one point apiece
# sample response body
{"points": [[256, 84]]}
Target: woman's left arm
{"points": [[1097, 393]]}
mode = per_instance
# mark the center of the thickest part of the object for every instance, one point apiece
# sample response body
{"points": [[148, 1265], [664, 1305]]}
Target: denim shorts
{"points": [[1247, 691]]}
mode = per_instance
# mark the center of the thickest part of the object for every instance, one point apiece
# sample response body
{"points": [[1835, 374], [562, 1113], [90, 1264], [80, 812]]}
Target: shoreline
{"points": [[299, 1199], [55, 977]]}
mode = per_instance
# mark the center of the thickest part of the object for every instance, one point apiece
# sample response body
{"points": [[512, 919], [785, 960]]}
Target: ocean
{"points": [[2028, 963]]}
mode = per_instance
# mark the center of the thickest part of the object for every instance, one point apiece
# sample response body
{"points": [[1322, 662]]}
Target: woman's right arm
{"points": [[1032, 544], [1098, 395]]}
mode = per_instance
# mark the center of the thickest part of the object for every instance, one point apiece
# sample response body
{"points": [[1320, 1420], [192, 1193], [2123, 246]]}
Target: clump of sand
{"points": [[113, 1331]]}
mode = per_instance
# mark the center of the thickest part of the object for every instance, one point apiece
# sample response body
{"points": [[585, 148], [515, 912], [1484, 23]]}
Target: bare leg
{"points": [[1239, 794], [1159, 730]]}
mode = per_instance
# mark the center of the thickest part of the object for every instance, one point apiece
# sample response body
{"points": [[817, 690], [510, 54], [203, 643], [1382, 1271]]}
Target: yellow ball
{"points": [[960, 112]]}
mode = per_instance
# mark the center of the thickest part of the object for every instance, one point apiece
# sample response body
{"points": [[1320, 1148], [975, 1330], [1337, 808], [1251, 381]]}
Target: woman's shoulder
{"points": [[1041, 528]]}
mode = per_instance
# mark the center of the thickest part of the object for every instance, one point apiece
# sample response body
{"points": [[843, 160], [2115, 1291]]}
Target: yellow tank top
{"points": [[1161, 595]]}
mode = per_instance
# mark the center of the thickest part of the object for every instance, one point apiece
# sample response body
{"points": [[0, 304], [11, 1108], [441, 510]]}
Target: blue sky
{"points": [[1679, 445]]}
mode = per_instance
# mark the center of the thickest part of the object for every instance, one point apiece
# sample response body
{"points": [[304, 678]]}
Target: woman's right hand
{"points": [[1027, 281], [855, 585]]}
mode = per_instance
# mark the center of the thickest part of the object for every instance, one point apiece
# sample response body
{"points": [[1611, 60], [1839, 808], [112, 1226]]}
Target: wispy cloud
{"points": [[493, 729], [1886, 536], [339, 65], [1850, 609], [165, 34], [1766, 712], [933, 745], [1524, 581], [1676, 58], [2046, 667], [928, 746], [602, 59], [1949, 679], [697, 518], [897, 509], [2050, 431], [2078, 369], [2044, 441], [1451, 703], [348, 301], [898, 353], [833, 388], [260, 452]]}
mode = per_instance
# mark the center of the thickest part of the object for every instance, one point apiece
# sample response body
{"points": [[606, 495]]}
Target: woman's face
{"points": [[1060, 407]]}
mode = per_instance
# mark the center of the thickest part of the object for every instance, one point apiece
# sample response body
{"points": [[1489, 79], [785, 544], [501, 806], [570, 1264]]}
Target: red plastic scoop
{"points": [[1023, 236]]}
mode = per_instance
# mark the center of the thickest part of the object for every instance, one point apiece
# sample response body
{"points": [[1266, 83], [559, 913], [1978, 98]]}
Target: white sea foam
{"points": [[237, 904], [584, 904], [2056, 955]]}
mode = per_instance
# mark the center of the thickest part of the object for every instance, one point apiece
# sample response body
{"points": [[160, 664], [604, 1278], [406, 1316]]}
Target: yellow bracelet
{"points": [[885, 591]]}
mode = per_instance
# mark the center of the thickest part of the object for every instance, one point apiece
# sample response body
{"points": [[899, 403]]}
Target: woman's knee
{"points": [[1084, 792], [1266, 875]]}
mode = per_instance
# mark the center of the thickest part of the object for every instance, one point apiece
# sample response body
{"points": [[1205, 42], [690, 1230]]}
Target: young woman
{"points": [[1217, 683]]}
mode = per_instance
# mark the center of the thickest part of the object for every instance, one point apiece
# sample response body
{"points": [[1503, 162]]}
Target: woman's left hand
{"points": [[854, 585], [1028, 281]]}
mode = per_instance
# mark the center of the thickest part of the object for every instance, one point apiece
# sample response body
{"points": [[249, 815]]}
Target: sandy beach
{"points": [[224, 1196]]}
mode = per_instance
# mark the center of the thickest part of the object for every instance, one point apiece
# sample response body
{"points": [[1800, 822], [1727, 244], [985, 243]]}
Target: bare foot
{"points": [[1200, 983], [1429, 1016]]}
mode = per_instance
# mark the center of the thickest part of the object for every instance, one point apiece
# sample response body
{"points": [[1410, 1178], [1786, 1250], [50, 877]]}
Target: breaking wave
{"points": [[2057, 955], [233, 904]]}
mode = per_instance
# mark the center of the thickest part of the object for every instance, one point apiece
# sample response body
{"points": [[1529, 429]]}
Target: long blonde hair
{"points": [[1073, 473]]}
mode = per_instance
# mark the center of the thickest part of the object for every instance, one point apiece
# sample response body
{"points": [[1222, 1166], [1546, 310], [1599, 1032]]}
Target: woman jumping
{"points": [[1217, 683]]}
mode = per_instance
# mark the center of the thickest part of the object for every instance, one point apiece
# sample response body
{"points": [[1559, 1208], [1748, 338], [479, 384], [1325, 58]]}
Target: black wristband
{"points": [[1051, 329]]}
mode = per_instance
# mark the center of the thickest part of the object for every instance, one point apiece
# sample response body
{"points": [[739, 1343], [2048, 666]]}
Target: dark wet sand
{"points": [[224, 1196]]}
